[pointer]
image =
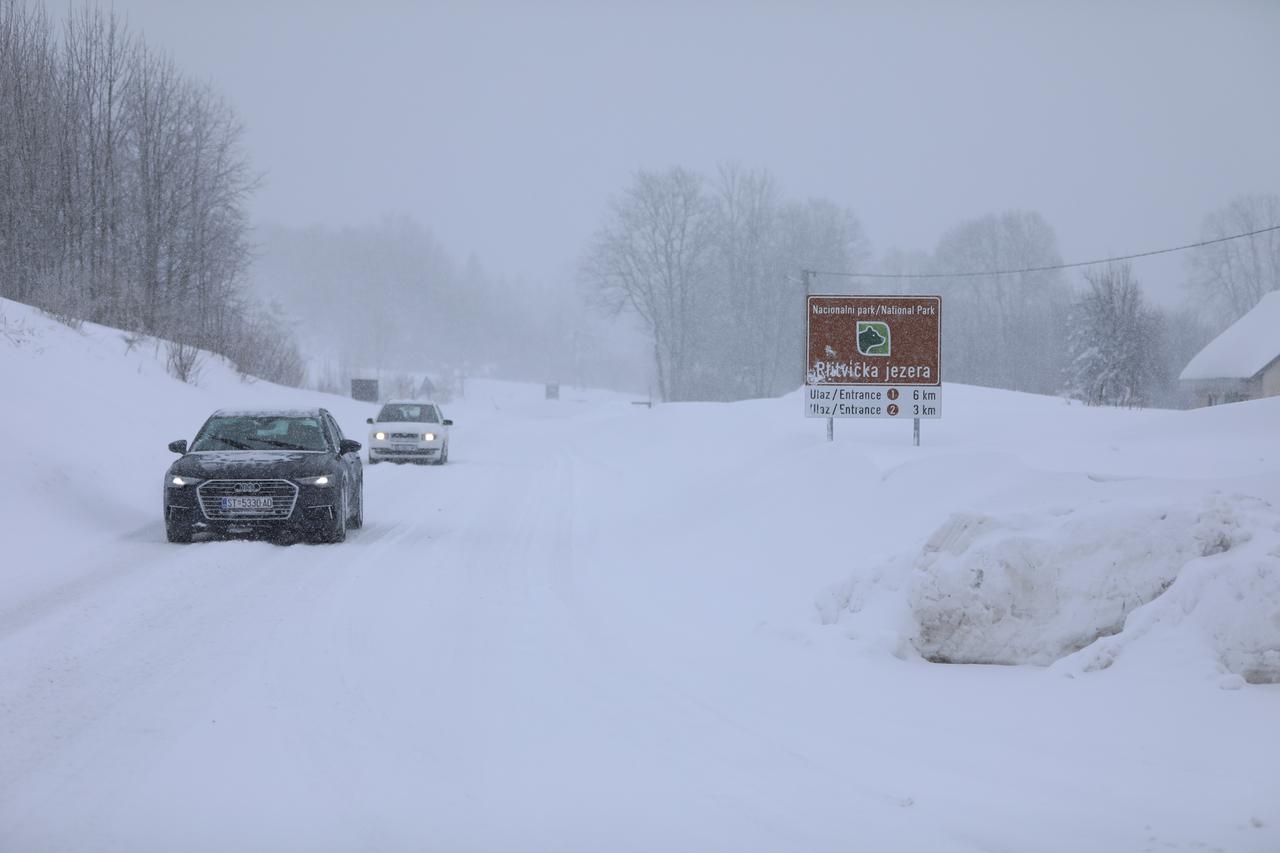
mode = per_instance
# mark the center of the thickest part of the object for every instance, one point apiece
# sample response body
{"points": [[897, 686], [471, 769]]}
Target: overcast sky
{"points": [[506, 126]]}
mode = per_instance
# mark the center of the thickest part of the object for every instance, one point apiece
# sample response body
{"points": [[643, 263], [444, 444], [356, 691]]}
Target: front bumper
{"points": [[316, 509], [385, 450]]}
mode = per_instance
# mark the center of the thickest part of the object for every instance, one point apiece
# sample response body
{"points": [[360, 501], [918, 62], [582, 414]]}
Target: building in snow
{"points": [[1242, 363]]}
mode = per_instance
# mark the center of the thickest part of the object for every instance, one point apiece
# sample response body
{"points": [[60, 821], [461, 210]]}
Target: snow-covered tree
{"points": [[1115, 342]]}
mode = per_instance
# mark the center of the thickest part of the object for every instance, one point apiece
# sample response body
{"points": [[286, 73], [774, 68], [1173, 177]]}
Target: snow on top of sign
{"points": [[1245, 348]]}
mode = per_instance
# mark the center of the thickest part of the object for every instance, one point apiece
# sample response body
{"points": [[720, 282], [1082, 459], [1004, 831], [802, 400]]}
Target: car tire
{"points": [[335, 533], [338, 533], [177, 532], [444, 454], [373, 461], [357, 518]]}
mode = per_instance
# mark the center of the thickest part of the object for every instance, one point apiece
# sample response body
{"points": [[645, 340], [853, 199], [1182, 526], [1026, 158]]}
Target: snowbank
{"points": [[1086, 583]]}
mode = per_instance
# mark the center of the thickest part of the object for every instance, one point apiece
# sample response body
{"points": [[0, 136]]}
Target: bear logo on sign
{"points": [[873, 337]]}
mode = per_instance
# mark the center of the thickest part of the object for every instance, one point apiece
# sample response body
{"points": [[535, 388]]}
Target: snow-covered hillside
{"points": [[603, 627]]}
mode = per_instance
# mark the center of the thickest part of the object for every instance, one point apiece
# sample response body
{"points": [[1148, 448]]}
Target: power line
{"points": [[1044, 268]]}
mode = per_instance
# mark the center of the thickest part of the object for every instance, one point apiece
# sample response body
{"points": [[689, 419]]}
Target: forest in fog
{"points": [[714, 267], [123, 192], [125, 197], [385, 298]]}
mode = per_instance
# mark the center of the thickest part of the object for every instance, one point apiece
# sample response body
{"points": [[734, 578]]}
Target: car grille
{"points": [[283, 494], [406, 435]]}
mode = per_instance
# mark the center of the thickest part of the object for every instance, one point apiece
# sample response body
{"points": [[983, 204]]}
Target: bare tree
{"points": [[652, 256], [814, 234], [184, 361], [1002, 330], [264, 347], [95, 82], [904, 262], [29, 245], [1231, 277], [713, 276], [739, 344], [123, 185]]}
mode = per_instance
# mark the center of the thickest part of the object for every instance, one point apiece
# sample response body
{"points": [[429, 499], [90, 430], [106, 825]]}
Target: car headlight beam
{"points": [[317, 480], [179, 480], [380, 436], [428, 436]]}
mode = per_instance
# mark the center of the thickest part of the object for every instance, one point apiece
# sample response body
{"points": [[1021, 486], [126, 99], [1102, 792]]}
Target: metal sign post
{"points": [[807, 275]]}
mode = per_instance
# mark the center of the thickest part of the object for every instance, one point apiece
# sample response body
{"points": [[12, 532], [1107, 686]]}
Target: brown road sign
{"points": [[874, 340]]}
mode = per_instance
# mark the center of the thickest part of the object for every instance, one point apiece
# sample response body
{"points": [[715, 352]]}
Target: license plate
{"points": [[246, 503], [406, 447]]}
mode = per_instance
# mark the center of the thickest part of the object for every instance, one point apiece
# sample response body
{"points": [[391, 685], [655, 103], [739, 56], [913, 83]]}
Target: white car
{"points": [[409, 431]]}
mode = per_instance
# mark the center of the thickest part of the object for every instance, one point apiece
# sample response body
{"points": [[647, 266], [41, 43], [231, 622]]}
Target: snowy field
{"points": [[608, 628]]}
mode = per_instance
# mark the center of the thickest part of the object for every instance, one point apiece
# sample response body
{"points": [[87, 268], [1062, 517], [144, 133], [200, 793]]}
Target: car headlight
{"points": [[380, 436], [428, 436], [317, 480], [179, 480]]}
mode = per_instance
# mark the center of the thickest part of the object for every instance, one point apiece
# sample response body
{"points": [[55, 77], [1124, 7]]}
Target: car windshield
{"points": [[260, 432], [408, 413]]}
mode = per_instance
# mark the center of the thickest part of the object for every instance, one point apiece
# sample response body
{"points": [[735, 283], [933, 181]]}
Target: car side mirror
{"points": [[448, 422], [348, 445], [368, 420], [178, 446]]}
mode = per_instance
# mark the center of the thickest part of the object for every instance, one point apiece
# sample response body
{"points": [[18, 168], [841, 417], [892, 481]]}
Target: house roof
{"points": [[1246, 347]]}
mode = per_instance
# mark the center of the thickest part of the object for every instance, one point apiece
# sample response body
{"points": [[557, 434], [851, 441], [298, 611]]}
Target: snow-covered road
{"points": [[444, 680], [595, 629]]}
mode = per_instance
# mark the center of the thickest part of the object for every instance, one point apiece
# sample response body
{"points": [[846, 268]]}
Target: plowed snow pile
{"points": [[1082, 585]]}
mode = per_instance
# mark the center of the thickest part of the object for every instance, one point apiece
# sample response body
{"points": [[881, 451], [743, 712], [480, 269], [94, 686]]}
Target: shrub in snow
{"points": [[1036, 588], [15, 332], [183, 361]]}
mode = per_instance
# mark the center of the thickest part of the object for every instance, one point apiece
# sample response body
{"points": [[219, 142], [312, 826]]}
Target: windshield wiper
{"points": [[283, 445]]}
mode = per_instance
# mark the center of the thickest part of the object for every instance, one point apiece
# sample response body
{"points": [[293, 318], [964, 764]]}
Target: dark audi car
{"points": [[286, 474]]}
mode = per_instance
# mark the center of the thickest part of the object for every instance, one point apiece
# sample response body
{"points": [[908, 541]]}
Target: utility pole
{"points": [[807, 276]]}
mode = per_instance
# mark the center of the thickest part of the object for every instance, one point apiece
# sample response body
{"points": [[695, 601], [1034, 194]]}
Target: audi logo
{"points": [[247, 487]]}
